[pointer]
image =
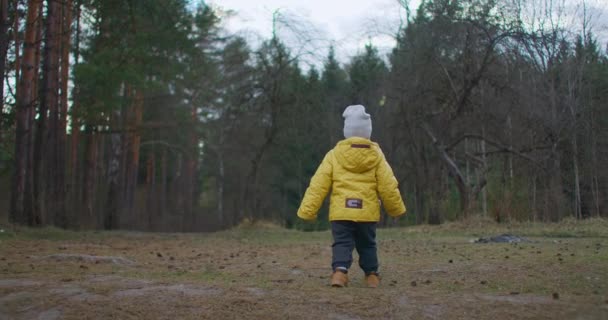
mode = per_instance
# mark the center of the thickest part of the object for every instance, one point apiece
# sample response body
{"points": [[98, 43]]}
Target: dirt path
{"points": [[277, 274]]}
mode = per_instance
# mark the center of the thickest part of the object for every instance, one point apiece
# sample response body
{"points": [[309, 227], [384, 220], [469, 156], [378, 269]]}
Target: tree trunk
{"points": [[555, 182], [510, 128], [37, 135], [595, 188], [150, 204], [191, 176], [17, 46], [74, 163], [220, 187], [484, 193], [134, 118], [417, 201], [463, 188], [164, 189], [596, 195], [114, 200], [49, 103], [577, 185], [23, 123], [65, 22], [467, 172], [4, 23], [113, 204], [426, 200], [32, 206], [534, 206], [89, 218], [251, 198]]}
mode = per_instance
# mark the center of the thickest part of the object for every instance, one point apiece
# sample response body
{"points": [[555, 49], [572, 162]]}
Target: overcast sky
{"points": [[310, 26], [347, 24]]}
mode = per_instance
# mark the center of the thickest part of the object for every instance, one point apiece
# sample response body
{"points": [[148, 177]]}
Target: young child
{"points": [[357, 173]]}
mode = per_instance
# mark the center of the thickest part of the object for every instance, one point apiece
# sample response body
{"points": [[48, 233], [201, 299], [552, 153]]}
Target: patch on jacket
{"points": [[354, 203], [360, 146]]}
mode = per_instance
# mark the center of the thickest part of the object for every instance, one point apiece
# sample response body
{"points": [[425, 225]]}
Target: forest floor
{"points": [[265, 272]]}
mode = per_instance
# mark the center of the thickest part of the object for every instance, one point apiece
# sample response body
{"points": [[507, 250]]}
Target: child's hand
{"points": [[399, 215], [308, 218]]}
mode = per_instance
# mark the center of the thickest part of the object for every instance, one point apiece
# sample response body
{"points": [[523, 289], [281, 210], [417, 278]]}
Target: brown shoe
{"points": [[339, 279], [372, 280]]}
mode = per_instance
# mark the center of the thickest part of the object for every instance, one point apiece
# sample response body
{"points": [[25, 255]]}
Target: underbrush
{"points": [[568, 228], [267, 231]]}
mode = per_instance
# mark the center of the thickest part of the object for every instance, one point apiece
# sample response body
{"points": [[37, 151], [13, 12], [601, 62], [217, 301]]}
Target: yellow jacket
{"points": [[357, 173]]}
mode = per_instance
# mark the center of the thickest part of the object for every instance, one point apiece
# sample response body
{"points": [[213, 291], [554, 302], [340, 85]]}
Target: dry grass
{"points": [[261, 271]]}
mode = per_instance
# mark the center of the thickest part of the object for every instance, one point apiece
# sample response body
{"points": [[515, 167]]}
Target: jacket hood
{"points": [[357, 154]]}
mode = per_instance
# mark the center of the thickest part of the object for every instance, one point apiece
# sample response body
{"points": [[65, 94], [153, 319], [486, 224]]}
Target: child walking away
{"points": [[356, 172]]}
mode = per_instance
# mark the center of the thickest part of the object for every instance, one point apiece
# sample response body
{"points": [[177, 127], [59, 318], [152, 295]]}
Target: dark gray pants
{"points": [[349, 235]]}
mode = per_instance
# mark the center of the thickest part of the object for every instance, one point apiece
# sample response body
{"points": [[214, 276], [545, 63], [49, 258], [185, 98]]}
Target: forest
{"points": [[147, 115]]}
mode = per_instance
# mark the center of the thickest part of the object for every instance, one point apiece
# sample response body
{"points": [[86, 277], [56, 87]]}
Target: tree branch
{"points": [[452, 166], [501, 147]]}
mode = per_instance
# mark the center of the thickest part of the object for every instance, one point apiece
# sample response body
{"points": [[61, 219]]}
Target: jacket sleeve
{"points": [[317, 190], [388, 188]]}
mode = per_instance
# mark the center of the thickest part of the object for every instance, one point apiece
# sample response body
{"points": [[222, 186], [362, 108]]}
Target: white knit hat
{"points": [[357, 123]]}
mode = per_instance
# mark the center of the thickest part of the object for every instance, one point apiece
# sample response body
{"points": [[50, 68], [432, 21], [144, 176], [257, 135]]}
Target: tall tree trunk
{"points": [[57, 172], [4, 23], [534, 193], [38, 140], [596, 195], [251, 193], [416, 203], [32, 206], [176, 194], [17, 45], [134, 140], [572, 105], [220, 185], [74, 162], [251, 199], [122, 197], [425, 199], [150, 205], [114, 200], [467, 171], [577, 183], [17, 48], [117, 167], [49, 127], [191, 174], [534, 201], [188, 190], [555, 207], [484, 193], [89, 218], [164, 189], [65, 23], [510, 134], [595, 189], [136, 145], [24, 125]]}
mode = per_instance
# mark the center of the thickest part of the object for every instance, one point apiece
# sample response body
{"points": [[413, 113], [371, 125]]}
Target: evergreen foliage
{"points": [[175, 126]]}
